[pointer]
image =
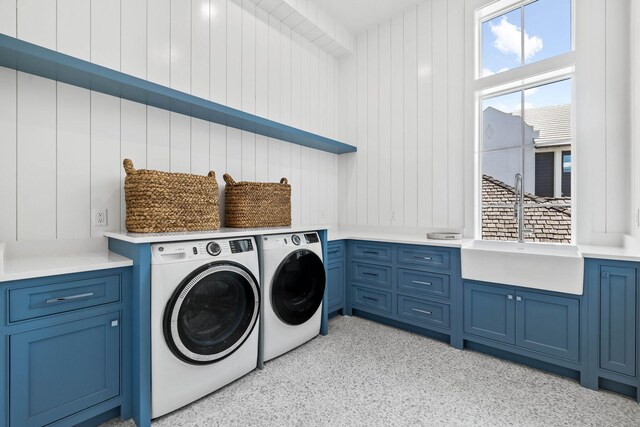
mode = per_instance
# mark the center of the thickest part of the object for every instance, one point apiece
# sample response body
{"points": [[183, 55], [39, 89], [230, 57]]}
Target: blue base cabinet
{"points": [[410, 286], [614, 323], [336, 276], [533, 321], [66, 339]]}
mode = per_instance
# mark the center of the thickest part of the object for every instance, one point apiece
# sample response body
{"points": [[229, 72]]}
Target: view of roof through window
{"points": [[527, 131]]}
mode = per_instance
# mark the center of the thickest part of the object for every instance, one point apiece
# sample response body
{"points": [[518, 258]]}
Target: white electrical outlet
{"points": [[393, 216], [100, 217]]}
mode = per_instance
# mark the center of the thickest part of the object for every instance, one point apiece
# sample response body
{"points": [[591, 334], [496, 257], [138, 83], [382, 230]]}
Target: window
{"points": [[525, 127], [531, 32]]}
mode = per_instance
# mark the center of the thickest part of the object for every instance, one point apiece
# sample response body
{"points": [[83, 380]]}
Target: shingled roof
{"points": [[552, 123], [550, 224]]}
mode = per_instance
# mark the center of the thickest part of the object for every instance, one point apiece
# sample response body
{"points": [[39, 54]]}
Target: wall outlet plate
{"points": [[100, 218]]}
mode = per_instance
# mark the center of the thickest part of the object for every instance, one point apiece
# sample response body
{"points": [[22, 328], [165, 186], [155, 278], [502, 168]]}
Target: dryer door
{"points": [[211, 313], [298, 287]]}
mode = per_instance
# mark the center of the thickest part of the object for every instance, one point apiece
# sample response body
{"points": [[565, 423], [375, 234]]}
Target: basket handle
{"points": [[228, 179], [284, 181], [128, 166], [212, 174]]}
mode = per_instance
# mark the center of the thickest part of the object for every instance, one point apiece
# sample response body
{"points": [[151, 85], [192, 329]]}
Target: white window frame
{"points": [[523, 77]]}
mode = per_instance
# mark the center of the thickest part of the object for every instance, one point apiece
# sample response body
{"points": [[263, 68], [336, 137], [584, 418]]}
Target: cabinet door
{"points": [[489, 312], [548, 324], [59, 370], [618, 295], [335, 281]]}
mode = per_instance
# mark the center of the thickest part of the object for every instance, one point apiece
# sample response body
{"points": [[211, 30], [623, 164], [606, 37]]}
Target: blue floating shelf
{"points": [[33, 59]]}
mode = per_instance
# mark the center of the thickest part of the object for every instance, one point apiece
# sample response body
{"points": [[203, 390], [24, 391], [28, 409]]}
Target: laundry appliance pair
{"points": [[220, 307]]}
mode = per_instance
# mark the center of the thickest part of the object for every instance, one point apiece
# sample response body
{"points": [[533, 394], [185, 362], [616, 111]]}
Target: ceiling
{"points": [[360, 15]]}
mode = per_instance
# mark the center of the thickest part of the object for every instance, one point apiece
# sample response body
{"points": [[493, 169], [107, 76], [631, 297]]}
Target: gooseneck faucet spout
{"points": [[518, 208]]}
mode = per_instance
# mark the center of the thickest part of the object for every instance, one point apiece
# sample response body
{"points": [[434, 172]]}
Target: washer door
{"points": [[211, 313], [298, 287]]}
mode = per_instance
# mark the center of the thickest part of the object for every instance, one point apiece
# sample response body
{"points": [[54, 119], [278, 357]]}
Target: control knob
{"points": [[214, 249], [295, 239]]}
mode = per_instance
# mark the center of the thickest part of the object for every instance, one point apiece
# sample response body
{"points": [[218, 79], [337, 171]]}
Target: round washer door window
{"points": [[298, 287], [211, 313]]}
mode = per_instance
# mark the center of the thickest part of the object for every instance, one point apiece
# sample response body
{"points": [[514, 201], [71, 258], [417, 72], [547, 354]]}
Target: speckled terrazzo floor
{"points": [[367, 374]]}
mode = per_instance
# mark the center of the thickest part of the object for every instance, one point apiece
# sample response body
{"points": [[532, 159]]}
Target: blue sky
{"points": [[547, 25]]}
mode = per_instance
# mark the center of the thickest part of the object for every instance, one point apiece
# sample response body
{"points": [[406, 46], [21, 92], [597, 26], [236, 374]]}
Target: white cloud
{"points": [[507, 40], [487, 72]]}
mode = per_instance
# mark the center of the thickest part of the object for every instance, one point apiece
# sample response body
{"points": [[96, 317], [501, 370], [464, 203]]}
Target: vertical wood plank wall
{"points": [[402, 95], [62, 147], [403, 98]]}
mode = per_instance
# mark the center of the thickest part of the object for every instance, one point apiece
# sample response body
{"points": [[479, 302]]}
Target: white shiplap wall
{"points": [[62, 147], [635, 116], [603, 121], [403, 96]]}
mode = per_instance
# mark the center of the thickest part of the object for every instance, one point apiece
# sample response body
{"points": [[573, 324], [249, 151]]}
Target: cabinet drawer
{"points": [[421, 311], [433, 284], [426, 257], [335, 251], [377, 275], [38, 301], [371, 251], [370, 299]]}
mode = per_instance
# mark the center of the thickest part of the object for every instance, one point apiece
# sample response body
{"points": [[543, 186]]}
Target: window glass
{"points": [[546, 33], [527, 132], [547, 26]]}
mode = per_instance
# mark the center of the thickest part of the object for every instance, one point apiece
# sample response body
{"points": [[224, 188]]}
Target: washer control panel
{"points": [[162, 253]]}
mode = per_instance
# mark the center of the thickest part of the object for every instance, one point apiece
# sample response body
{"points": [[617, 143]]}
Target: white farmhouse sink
{"points": [[550, 267]]}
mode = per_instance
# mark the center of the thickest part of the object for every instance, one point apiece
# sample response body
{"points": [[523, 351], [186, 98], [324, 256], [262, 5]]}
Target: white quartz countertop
{"points": [[213, 234], [609, 252], [51, 265], [414, 239]]}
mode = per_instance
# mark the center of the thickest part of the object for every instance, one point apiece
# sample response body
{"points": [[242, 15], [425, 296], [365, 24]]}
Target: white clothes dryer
{"points": [[205, 306], [293, 278]]}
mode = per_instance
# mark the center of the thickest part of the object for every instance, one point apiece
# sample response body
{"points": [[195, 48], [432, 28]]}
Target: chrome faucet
{"points": [[518, 208]]}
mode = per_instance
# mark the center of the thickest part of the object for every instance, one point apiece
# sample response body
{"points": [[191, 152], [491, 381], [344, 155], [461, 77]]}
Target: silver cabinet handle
{"points": [[510, 296], [428, 313], [371, 252], [366, 273], [518, 298], [370, 298], [418, 282], [71, 297], [426, 258]]}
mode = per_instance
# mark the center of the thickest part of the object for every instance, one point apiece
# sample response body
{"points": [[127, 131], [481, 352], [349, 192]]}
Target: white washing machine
{"points": [[293, 280], [205, 306]]}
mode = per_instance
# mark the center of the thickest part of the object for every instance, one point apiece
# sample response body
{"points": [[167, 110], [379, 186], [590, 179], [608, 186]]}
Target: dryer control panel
{"points": [[278, 241]]}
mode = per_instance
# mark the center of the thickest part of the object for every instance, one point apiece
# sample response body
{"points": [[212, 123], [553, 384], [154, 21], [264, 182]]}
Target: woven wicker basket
{"points": [[257, 204], [163, 201]]}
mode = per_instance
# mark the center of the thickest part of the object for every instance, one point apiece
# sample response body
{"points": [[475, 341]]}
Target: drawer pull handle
{"points": [[69, 298], [518, 298], [334, 251], [428, 313], [426, 258], [418, 282], [371, 252], [366, 273], [370, 298]]}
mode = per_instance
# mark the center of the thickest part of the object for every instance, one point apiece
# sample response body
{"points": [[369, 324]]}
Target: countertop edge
{"points": [[71, 264], [212, 234]]}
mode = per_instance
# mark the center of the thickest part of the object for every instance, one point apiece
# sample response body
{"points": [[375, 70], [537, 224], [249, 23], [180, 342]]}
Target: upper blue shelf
{"points": [[33, 59]]}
